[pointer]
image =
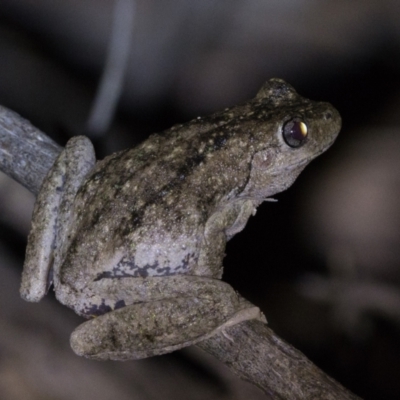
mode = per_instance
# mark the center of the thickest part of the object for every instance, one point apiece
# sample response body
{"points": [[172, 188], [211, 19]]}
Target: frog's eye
{"points": [[295, 132]]}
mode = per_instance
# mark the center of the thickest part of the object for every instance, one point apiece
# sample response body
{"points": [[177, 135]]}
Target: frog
{"points": [[135, 242]]}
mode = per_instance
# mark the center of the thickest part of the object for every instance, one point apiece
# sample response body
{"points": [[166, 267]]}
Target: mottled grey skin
{"points": [[138, 239]]}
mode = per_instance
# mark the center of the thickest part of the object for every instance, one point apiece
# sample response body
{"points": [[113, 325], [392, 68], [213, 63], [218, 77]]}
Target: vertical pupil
{"points": [[299, 130]]}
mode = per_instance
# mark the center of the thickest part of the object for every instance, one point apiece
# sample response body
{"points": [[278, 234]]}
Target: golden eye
{"points": [[295, 132]]}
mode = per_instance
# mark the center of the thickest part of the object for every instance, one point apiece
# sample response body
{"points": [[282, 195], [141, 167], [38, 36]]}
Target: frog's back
{"points": [[142, 212]]}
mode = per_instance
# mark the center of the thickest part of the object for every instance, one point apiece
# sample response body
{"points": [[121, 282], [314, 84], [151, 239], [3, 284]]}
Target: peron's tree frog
{"points": [[137, 240]]}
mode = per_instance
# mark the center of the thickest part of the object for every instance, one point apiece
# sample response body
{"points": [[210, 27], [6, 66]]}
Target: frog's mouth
{"points": [[295, 165], [305, 161]]}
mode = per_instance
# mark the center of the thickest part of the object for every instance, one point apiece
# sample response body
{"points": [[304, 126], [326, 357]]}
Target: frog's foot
{"points": [[146, 329], [52, 214]]}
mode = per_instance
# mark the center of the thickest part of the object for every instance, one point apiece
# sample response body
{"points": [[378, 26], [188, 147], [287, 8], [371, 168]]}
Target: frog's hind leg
{"points": [[51, 214], [156, 327]]}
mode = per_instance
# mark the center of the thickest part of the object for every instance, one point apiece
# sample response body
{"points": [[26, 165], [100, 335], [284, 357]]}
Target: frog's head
{"points": [[289, 133]]}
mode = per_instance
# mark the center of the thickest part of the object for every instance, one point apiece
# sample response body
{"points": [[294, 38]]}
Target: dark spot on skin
{"points": [[136, 217], [188, 166], [128, 225], [164, 271], [96, 217], [126, 268], [196, 160], [119, 304], [142, 272], [219, 142], [103, 275], [96, 310], [149, 338], [185, 261], [328, 115]]}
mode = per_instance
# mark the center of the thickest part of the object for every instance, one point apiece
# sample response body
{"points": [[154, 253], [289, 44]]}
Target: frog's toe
{"points": [[87, 343]]}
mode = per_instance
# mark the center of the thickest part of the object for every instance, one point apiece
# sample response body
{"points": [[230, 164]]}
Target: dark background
{"points": [[323, 263]]}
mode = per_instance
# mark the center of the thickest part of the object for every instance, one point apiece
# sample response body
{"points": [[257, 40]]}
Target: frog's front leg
{"points": [[223, 224], [51, 215], [184, 311]]}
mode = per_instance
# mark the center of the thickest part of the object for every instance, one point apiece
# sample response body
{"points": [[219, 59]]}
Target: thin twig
{"points": [[250, 349]]}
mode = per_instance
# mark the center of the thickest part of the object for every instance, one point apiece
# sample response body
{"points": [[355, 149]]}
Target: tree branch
{"points": [[250, 349], [254, 352], [26, 153]]}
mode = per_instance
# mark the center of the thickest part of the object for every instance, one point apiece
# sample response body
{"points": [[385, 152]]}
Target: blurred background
{"points": [[323, 263]]}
